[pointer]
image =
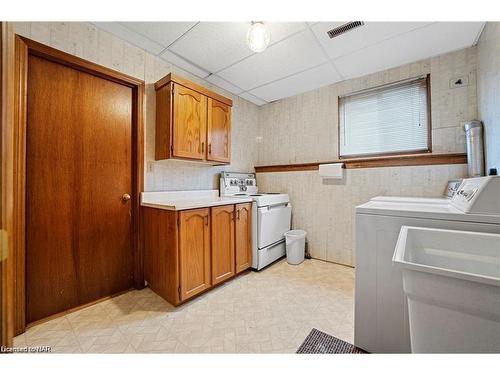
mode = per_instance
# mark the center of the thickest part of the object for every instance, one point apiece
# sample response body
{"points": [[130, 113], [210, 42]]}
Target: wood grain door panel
{"points": [[189, 123], [194, 251], [243, 232], [222, 243], [78, 166], [219, 131]]}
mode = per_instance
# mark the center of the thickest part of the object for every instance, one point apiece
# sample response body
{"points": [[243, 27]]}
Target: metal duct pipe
{"points": [[475, 148]]}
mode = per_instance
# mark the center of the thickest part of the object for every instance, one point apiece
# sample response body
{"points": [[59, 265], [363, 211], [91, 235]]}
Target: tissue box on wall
{"points": [[335, 170]]}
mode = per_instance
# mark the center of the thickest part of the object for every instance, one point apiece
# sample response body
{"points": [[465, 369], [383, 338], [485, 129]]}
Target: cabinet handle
{"points": [[202, 147], [206, 219], [210, 148], [238, 213]]}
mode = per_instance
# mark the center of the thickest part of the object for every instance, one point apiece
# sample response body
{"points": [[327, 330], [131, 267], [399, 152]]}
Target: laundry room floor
{"points": [[271, 311]]}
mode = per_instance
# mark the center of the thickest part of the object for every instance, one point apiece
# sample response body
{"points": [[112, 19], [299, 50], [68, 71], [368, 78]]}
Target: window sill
{"points": [[373, 162]]}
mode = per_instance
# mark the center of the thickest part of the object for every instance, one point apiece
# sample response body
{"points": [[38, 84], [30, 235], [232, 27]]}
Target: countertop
{"points": [[188, 199]]}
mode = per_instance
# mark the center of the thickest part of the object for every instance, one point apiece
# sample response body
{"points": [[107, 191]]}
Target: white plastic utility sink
{"points": [[452, 283]]}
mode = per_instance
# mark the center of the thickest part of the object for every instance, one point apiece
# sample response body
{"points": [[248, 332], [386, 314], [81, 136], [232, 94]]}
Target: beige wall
{"points": [[306, 125], [298, 129], [304, 128], [489, 91], [87, 41], [326, 209]]}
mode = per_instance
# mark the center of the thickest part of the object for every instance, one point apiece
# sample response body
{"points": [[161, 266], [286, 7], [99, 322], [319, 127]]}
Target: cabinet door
{"points": [[194, 251], [189, 123], [222, 243], [243, 236], [219, 131]]}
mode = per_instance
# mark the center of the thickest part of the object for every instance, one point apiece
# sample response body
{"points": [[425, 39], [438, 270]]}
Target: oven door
{"points": [[272, 223]]}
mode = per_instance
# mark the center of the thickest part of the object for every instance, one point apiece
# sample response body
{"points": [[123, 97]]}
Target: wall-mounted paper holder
{"points": [[333, 171]]}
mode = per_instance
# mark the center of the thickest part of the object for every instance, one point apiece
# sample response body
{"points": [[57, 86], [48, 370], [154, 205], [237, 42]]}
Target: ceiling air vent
{"points": [[344, 28]]}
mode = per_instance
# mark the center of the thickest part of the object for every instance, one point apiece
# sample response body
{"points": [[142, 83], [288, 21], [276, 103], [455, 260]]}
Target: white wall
{"points": [[304, 128], [86, 41], [489, 91]]}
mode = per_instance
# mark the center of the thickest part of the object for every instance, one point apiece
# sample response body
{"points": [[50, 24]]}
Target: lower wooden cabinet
{"points": [[243, 236], [194, 252], [222, 243], [187, 252]]}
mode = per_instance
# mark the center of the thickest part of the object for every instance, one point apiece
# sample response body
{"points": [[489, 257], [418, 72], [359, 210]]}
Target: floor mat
{"points": [[318, 342]]}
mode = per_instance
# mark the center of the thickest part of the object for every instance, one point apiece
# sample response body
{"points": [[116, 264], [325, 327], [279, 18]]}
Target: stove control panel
{"points": [[232, 183]]}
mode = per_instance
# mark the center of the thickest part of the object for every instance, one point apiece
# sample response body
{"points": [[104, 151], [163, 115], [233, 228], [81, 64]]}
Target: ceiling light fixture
{"points": [[258, 36]]}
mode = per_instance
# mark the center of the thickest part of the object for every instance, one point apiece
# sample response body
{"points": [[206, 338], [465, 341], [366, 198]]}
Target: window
{"points": [[388, 119]]}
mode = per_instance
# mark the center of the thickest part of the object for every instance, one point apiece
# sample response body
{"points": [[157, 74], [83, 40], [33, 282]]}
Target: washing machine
{"points": [[381, 313]]}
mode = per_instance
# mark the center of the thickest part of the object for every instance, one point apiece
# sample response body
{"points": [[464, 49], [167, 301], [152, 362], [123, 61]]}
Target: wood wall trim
{"points": [[7, 53], [138, 180], [23, 48], [375, 162], [193, 86], [61, 57], [20, 110]]}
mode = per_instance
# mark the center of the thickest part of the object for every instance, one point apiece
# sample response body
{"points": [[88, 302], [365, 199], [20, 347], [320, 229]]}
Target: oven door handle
{"points": [[274, 206], [277, 243]]}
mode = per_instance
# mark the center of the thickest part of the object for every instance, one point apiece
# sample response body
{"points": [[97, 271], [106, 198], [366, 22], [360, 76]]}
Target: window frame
{"points": [[427, 79]]}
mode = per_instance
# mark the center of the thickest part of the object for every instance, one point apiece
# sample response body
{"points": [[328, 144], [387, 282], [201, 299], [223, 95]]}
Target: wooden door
{"points": [[189, 123], [243, 232], [219, 131], [222, 243], [194, 251], [78, 168]]}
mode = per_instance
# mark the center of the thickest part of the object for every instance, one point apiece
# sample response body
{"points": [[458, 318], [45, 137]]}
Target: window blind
{"points": [[388, 119]]}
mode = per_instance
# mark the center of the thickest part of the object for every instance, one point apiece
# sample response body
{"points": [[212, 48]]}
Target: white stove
{"points": [[271, 216]]}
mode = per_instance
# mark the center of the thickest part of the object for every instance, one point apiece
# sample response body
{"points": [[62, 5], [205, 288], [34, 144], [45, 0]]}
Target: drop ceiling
{"points": [[301, 56]]}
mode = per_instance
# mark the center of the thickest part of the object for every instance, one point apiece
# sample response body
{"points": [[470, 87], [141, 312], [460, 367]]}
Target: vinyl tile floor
{"points": [[271, 311]]}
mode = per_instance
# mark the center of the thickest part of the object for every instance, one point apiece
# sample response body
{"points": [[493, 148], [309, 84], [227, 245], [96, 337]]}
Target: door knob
{"points": [[126, 197]]}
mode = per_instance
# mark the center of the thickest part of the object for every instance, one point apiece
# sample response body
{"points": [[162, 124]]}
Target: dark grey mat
{"points": [[318, 342]]}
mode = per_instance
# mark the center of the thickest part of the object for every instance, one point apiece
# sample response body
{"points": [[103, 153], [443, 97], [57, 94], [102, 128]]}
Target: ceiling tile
{"points": [[223, 84], [130, 36], [287, 57], [364, 36], [216, 45], [305, 81], [163, 33], [181, 63], [432, 40], [282, 30], [252, 98]]}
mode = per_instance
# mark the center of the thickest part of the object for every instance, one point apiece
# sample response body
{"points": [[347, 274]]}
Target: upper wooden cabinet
{"points": [[192, 122], [190, 125], [219, 131]]}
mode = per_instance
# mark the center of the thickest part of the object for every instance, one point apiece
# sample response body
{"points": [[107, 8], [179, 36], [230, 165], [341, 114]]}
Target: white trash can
{"points": [[295, 246]]}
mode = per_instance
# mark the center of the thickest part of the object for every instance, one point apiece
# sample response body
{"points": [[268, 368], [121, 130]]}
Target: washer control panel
{"points": [[478, 195]]}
